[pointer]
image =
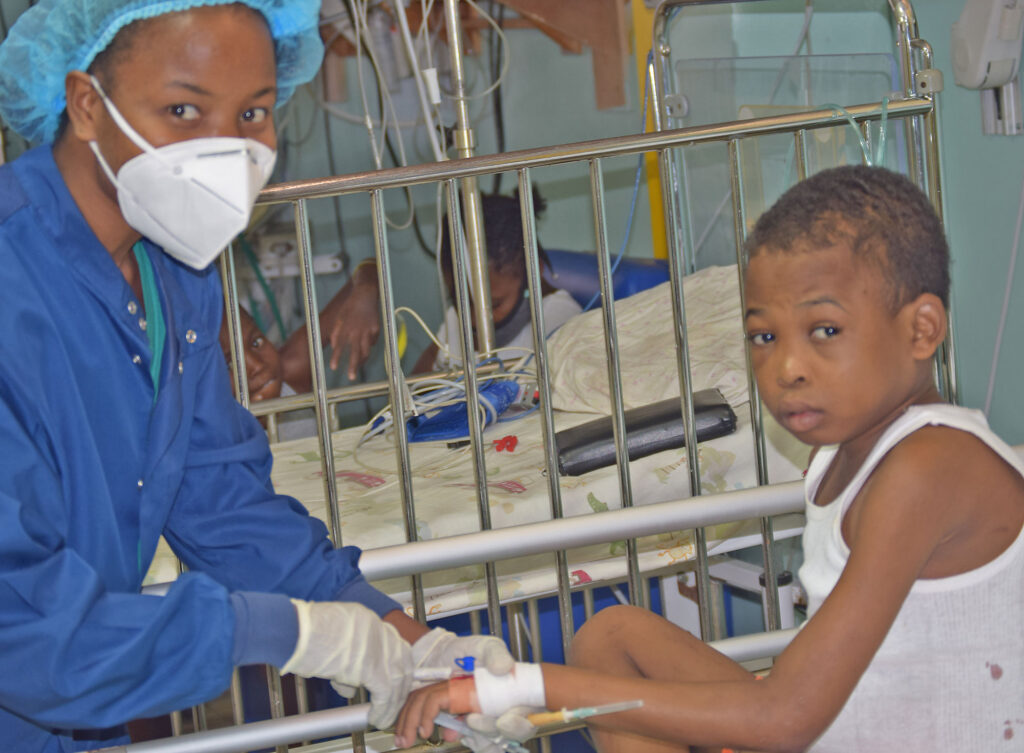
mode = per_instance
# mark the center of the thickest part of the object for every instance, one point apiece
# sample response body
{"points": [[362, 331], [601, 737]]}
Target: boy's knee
{"points": [[603, 634]]}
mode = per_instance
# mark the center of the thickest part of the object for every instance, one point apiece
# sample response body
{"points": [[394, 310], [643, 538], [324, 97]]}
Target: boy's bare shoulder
{"points": [[952, 482]]}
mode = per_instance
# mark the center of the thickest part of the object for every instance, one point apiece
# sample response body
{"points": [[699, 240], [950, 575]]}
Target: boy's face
{"points": [[831, 359], [262, 362], [209, 71]]}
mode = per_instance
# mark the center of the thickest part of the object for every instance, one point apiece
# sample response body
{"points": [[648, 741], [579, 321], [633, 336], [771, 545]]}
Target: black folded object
{"points": [[649, 429]]}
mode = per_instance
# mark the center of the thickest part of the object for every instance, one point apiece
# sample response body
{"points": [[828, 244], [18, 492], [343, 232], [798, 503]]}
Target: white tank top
{"points": [[949, 675]]}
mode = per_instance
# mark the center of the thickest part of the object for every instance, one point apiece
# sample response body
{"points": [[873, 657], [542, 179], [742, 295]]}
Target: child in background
{"points": [[914, 543], [503, 235], [263, 369]]}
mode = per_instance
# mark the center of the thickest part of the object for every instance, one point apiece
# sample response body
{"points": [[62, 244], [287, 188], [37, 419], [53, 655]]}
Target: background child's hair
{"points": [[503, 233], [882, 215]]}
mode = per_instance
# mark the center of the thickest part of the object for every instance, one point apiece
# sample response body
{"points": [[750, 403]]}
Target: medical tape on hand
{"points": [[523, 686]]}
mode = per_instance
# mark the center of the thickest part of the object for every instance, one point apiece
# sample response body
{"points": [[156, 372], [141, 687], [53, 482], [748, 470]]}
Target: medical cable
{"points": [[636, 189], [1006, 305]]}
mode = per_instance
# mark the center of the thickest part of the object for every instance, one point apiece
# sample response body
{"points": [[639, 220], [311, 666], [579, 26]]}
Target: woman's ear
{"points": [[83, 105], [927, 319]]}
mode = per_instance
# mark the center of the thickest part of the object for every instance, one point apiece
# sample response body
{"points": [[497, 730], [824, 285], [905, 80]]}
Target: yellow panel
{"points": [[643, 21]]}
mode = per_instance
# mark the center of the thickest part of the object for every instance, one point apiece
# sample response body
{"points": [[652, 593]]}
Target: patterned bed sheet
{"points": [[444, 496]]}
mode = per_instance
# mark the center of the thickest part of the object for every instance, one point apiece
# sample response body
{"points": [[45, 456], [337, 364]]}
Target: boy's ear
{"points": [[83, 103], [927, 319]]}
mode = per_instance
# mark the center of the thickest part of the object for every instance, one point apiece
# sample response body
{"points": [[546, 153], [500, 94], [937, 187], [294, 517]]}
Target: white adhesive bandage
{"points": [[523, 686]]}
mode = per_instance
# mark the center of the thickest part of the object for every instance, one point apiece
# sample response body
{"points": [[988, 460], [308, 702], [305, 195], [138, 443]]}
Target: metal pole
{"points": [[474, 225], [472, 402]]}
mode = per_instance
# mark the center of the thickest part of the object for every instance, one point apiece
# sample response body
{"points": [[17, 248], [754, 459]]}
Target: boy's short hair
{"points": [[882, 215]]}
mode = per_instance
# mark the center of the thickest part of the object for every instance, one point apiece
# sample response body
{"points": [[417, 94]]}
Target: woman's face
{"points": [[205, 72]]}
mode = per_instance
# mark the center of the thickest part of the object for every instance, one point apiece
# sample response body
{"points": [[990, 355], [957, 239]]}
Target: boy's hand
{"points": [[416, 719]]}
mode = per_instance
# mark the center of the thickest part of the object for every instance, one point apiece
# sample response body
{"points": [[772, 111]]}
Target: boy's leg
{"points": [[632, 642]]}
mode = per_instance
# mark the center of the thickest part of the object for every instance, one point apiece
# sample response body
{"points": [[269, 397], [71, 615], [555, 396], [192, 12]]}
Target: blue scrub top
{"points": [[93, 470]]}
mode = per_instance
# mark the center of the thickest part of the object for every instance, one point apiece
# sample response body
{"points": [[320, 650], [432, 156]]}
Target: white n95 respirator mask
{"points": [[191, 197]]}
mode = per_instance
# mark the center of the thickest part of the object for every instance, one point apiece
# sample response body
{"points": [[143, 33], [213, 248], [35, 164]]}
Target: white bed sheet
{"points": [[445, 501]]}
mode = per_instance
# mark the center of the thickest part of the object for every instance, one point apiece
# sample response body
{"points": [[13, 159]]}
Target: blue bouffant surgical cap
{"points": [[54, 37]]}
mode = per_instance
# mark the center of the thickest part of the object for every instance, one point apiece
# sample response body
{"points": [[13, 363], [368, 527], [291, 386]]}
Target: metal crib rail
{"points": [[558, 534], [921, 136]]}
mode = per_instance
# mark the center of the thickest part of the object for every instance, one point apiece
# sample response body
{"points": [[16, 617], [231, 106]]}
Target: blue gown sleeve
{"points": [[228, 521], [74, 654]]}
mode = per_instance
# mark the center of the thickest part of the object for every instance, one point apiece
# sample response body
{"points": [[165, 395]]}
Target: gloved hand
{"points": [[349, 645], [439, 649], [512, 725]]}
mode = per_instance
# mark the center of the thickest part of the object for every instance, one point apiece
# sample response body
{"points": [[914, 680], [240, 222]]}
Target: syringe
{"points": [[571, 715]]}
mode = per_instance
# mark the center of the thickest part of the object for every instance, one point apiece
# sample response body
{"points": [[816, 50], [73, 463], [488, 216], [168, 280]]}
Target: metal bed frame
{"points": [[918, 109]]}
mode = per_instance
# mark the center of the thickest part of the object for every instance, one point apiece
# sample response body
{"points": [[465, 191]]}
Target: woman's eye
{"points": [[185, 112], [760, 338], [824, 332], [255, 115]]}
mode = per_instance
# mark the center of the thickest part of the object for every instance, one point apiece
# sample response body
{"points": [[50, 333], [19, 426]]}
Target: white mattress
{"points": [[445, 502]]}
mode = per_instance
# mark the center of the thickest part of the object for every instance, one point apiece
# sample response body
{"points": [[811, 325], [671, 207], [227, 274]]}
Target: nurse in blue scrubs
{"points": [[155, 121]]}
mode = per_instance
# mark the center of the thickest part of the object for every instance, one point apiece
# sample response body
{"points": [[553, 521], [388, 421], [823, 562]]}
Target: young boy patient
{"points": [[914, 544]]}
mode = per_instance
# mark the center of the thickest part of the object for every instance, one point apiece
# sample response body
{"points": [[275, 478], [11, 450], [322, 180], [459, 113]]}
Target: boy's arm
{"points": [[905, 511]]}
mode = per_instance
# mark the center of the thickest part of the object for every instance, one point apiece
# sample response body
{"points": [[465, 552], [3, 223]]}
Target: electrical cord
{"points": [[636, 190], [1006, 304]]}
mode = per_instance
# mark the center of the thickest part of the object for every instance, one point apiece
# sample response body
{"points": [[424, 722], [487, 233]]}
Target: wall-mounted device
{"points": [[986, 48]]}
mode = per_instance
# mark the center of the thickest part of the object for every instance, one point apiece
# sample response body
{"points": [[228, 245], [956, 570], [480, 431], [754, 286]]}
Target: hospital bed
{"points": [[480, 529]]}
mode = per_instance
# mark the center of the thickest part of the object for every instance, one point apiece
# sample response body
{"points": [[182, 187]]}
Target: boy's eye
{"points": [[255, 115], [760, 338], [257, 342], [824, 332], [185, 112]]}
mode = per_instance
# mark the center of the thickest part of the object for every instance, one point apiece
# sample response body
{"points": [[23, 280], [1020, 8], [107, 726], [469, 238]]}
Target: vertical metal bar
{"points": [[396, 386], [536, 639], [237, 705], [518, 640], [637, 587], [540, 350], [932, 132], [276, 699], [682, 259], [906, 33], [177, 725], [588, 603], [756, 422], [460, 264], [865, 132], [677, 267], [199, 718], [464, 141], [230, 284], [800, 140], [316, 360]]}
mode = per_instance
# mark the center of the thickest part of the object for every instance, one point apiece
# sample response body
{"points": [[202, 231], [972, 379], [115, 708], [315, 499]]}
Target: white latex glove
{"points": [[512, 725], [439, 649], [351, 646]]}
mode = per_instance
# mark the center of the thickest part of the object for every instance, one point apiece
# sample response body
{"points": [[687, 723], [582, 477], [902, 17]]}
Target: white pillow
{"points": [[647, 346]]}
